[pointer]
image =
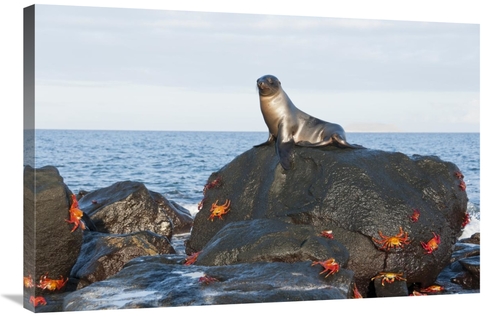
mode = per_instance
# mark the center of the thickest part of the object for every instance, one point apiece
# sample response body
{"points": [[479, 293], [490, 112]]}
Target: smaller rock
{"points": [[103, 255], [51, 248], [474, 239], [462, 275], [181, 217], [126, 207], [150, 282]]}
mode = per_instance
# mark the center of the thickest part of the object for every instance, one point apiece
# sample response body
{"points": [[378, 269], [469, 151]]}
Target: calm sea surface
{"points": [[178, 164]]}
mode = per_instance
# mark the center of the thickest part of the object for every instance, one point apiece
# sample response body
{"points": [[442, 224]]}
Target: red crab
{"points": [[432, 244], [206, 279], [389, 277], [200, 204], [75, 214], [432, 289], [327, 234], [355, 292], [392, 242], [37, 301], [459, 175], [218, 211], [28, 281], [416, 214], [462, 185], [415, 293], [215, 183], [50, 284], [192, 258], [329, 266], [466, 220]]}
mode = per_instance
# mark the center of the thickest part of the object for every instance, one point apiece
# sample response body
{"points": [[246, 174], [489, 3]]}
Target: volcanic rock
{"points": [[126, 207], [50, 248], [360, 195]]}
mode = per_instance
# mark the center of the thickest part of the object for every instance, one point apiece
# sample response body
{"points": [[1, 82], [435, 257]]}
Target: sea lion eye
{"points": [[269, 80]]}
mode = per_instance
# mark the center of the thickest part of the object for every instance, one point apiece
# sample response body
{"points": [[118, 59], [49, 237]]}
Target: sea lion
{"points": [[288, 125]]}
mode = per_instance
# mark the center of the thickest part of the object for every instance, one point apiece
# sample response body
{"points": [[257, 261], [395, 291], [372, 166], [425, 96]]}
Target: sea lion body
{"points": [[290, 126]]}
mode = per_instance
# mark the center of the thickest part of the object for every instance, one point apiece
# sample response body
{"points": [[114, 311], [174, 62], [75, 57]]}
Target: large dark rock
{"points": [[181, 217], [49, 245], [126, 207], [354, 193], [269, 240], [103, 255], [153, 282]]}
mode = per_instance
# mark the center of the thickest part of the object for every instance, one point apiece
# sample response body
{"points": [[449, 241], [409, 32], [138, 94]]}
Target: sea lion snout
{"points": [[267, 84]]}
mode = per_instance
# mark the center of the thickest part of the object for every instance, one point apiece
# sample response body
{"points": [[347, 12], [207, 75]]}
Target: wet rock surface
{"points": [[154, 282], [263, 246], [462, 275], [270, 240], [104, 255], [126, 207], [365, 197]]}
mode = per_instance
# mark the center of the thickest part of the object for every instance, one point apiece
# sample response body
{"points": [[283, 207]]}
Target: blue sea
{"points": [[178, 164]]}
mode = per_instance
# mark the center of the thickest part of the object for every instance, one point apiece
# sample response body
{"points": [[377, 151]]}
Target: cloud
{"points": [[200, 53]]}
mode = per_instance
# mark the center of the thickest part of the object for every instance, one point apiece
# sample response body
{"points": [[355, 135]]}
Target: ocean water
{"points": [[178, 164]]}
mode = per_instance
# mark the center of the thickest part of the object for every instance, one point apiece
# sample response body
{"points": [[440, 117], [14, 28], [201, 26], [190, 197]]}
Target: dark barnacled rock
{"points": [[181, 217], [103, 255], [49, 245], [358, 194], [126, 207]]}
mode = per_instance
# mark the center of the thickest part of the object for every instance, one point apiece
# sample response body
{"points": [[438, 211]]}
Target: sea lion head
{"points": [[268, 85]]}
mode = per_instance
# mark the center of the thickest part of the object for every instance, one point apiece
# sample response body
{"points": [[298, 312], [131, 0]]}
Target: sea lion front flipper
{"points": [[343, 143], [284, 150], [284, 147]]}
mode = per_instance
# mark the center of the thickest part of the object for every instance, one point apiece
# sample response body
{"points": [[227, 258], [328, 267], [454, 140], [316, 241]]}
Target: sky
{"points": [[142, 69]]}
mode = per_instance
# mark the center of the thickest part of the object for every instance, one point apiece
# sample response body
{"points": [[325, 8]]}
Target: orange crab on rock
{"points": [[36, 301], [462, 186], [432, 244], [459, 175], [327, 234], [355, 292], [432, 289], [50, 284], [28, 281], [206, 279], [192, 258], [389, 277], [218, 211], [215, 183], [393, 242], [416, 293], [75, 214], [416, 214], [329, 266], [466, 220]]}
